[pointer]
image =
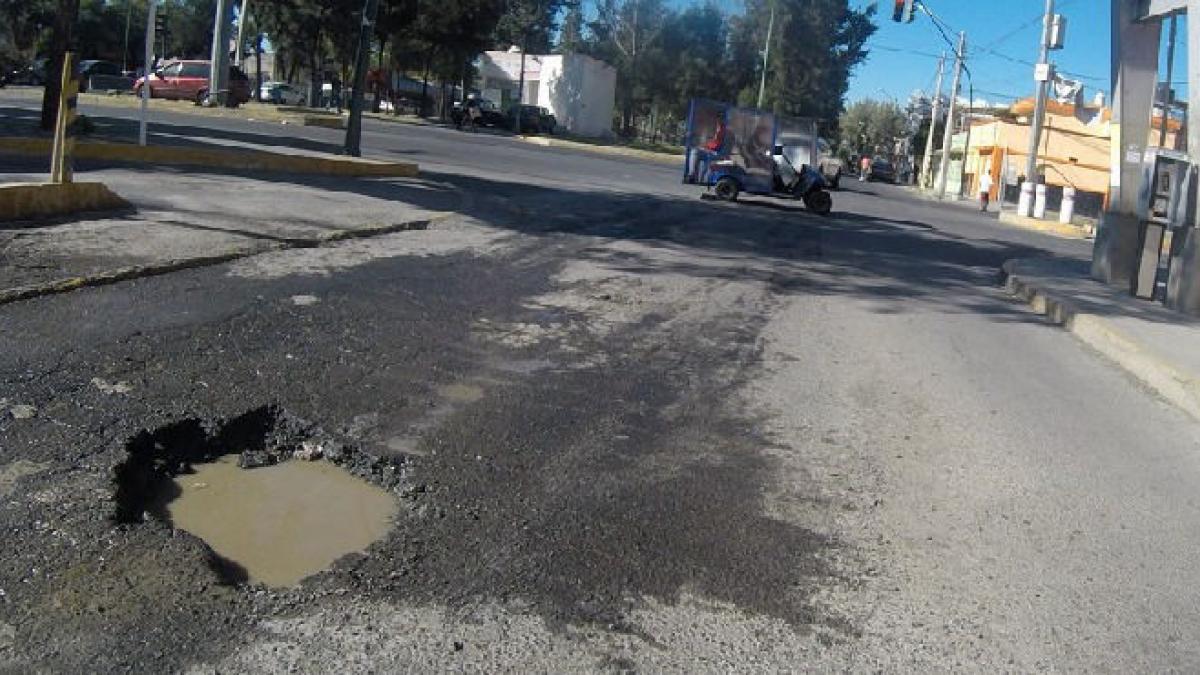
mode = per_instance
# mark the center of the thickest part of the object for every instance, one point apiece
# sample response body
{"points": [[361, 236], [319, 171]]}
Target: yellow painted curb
{"points": [[26, 201], [221, 158], [1047, 226]]}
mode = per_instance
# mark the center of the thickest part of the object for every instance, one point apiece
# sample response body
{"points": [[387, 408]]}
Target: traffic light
{"points": [[904, 11]]}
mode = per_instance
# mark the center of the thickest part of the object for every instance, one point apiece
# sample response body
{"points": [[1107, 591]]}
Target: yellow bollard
{"points": [[64, 141]]}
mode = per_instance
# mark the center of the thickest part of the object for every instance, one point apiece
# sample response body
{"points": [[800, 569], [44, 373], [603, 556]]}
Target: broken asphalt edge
{"points": [[156, 269], [30, 201], [1177, 387], [217, 157]]}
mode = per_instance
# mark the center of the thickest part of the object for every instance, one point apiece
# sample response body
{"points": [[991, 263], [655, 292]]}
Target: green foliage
{"points": [[871, 127], [666, 56], [664, 53]]}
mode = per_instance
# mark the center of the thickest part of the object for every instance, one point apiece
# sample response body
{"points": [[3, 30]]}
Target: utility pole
{"points": [[1166, 95], [241, 36], [218, 75], [948, 136], [354, 125], [151, 10], [1042, 75], [762, 83], [125, 52], [927, 163]]}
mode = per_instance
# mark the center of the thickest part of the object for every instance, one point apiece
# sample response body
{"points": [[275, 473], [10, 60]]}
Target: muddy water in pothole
{"points": [[462, 393], [280, 523]]}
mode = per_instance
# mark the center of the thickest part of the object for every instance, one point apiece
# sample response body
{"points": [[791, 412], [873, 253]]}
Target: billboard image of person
{"points": [[753, 137], [709, 139]]}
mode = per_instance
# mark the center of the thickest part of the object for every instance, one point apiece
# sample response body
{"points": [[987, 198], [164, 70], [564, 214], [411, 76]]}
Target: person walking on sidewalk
{"points": [[985, 191]]}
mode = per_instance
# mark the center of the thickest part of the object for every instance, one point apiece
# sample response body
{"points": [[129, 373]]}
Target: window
{"points": [[172, 70], [195, 70]]}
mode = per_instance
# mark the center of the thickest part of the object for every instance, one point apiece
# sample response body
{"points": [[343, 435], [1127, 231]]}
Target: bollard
{"points": [[1039, 201], [64, 140], [1025, 201], [1067, 211]]}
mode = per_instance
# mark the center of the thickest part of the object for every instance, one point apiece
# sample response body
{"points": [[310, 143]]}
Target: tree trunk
{"points": [[60, 41]]}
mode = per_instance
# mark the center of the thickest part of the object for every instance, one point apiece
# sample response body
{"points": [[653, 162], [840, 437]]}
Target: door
{"points": [[192, 80], [167, 86]]}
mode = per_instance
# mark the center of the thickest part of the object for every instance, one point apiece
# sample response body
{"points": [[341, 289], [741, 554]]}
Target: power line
{"points": [[905, 50], [1007, 36]]}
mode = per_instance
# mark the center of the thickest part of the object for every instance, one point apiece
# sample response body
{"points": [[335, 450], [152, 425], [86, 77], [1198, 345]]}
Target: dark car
{"points": [[95, 74], [882, 170], [31, 74], [188, 80], [534, 119], [489, 114]]}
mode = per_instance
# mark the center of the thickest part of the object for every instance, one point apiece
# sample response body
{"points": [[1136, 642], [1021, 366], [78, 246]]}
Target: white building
{"points": [[578, 89]]}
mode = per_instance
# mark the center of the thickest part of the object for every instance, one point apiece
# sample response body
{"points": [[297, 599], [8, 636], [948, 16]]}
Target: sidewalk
{"points": [[1150, 342], [189, 219]]}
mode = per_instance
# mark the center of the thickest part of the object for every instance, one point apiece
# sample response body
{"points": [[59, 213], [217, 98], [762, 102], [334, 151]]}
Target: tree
{"points": [[815, 46], [626, 33], [570, 40], [870, 127]]}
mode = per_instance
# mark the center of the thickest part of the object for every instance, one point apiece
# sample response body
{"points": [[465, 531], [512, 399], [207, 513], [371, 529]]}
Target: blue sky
{"points": [[1000, 35]]}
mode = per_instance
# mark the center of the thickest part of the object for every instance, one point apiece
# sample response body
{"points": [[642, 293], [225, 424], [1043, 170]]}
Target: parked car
{"points": [[282, 93], [829, 164], [882, 170], [33, 74], [94, 67], [490, 115], [534, 119], [188, 80]]}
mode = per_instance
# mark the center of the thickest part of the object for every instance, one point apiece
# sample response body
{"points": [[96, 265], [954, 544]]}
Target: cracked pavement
{"points": [[639, 431]]}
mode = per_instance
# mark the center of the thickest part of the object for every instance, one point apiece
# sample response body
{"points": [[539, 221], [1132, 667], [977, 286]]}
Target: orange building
{"points": [[1074, 149]]}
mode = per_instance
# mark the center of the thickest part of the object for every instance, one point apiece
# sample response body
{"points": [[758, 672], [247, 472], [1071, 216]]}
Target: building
{"points": [[578, 89], [1074, 150]]}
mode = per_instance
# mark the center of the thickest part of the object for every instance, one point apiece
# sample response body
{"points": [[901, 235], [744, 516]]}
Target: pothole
{"points": [[275, 499]]}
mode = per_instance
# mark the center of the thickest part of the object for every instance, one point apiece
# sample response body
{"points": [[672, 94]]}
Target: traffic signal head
{"points": [[904, 11]]}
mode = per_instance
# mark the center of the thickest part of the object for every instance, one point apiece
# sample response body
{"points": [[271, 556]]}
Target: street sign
{"points": [[1043, 72]]}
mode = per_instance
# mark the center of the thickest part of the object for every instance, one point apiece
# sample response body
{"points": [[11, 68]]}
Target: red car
{"points": [[188, 80]]}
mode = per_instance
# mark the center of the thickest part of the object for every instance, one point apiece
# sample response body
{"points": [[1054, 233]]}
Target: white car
{"points": [[281, 93]]}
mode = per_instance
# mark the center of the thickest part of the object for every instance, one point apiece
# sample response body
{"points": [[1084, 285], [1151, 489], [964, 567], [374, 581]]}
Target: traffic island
{"points": [[1144, 338], [217, 157], [326, 121], [34, 201]]}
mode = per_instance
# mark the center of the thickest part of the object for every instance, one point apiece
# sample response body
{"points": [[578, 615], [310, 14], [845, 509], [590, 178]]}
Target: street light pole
{"points": [[948, 135], [762, 83], [353, 145], [1025, 203], [927, 162]]}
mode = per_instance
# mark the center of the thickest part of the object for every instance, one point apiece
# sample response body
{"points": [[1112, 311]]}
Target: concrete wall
{"points": [[578, 89], [581, 92]]}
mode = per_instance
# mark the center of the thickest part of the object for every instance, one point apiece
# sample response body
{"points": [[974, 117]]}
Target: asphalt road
{"points": [[634, 431]]}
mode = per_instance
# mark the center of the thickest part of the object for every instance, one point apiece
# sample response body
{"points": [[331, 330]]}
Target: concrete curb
{"points": [[29, 201], [215, 157], [610, 150], [1048, 226], [156, 269], [1180, 388]]}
